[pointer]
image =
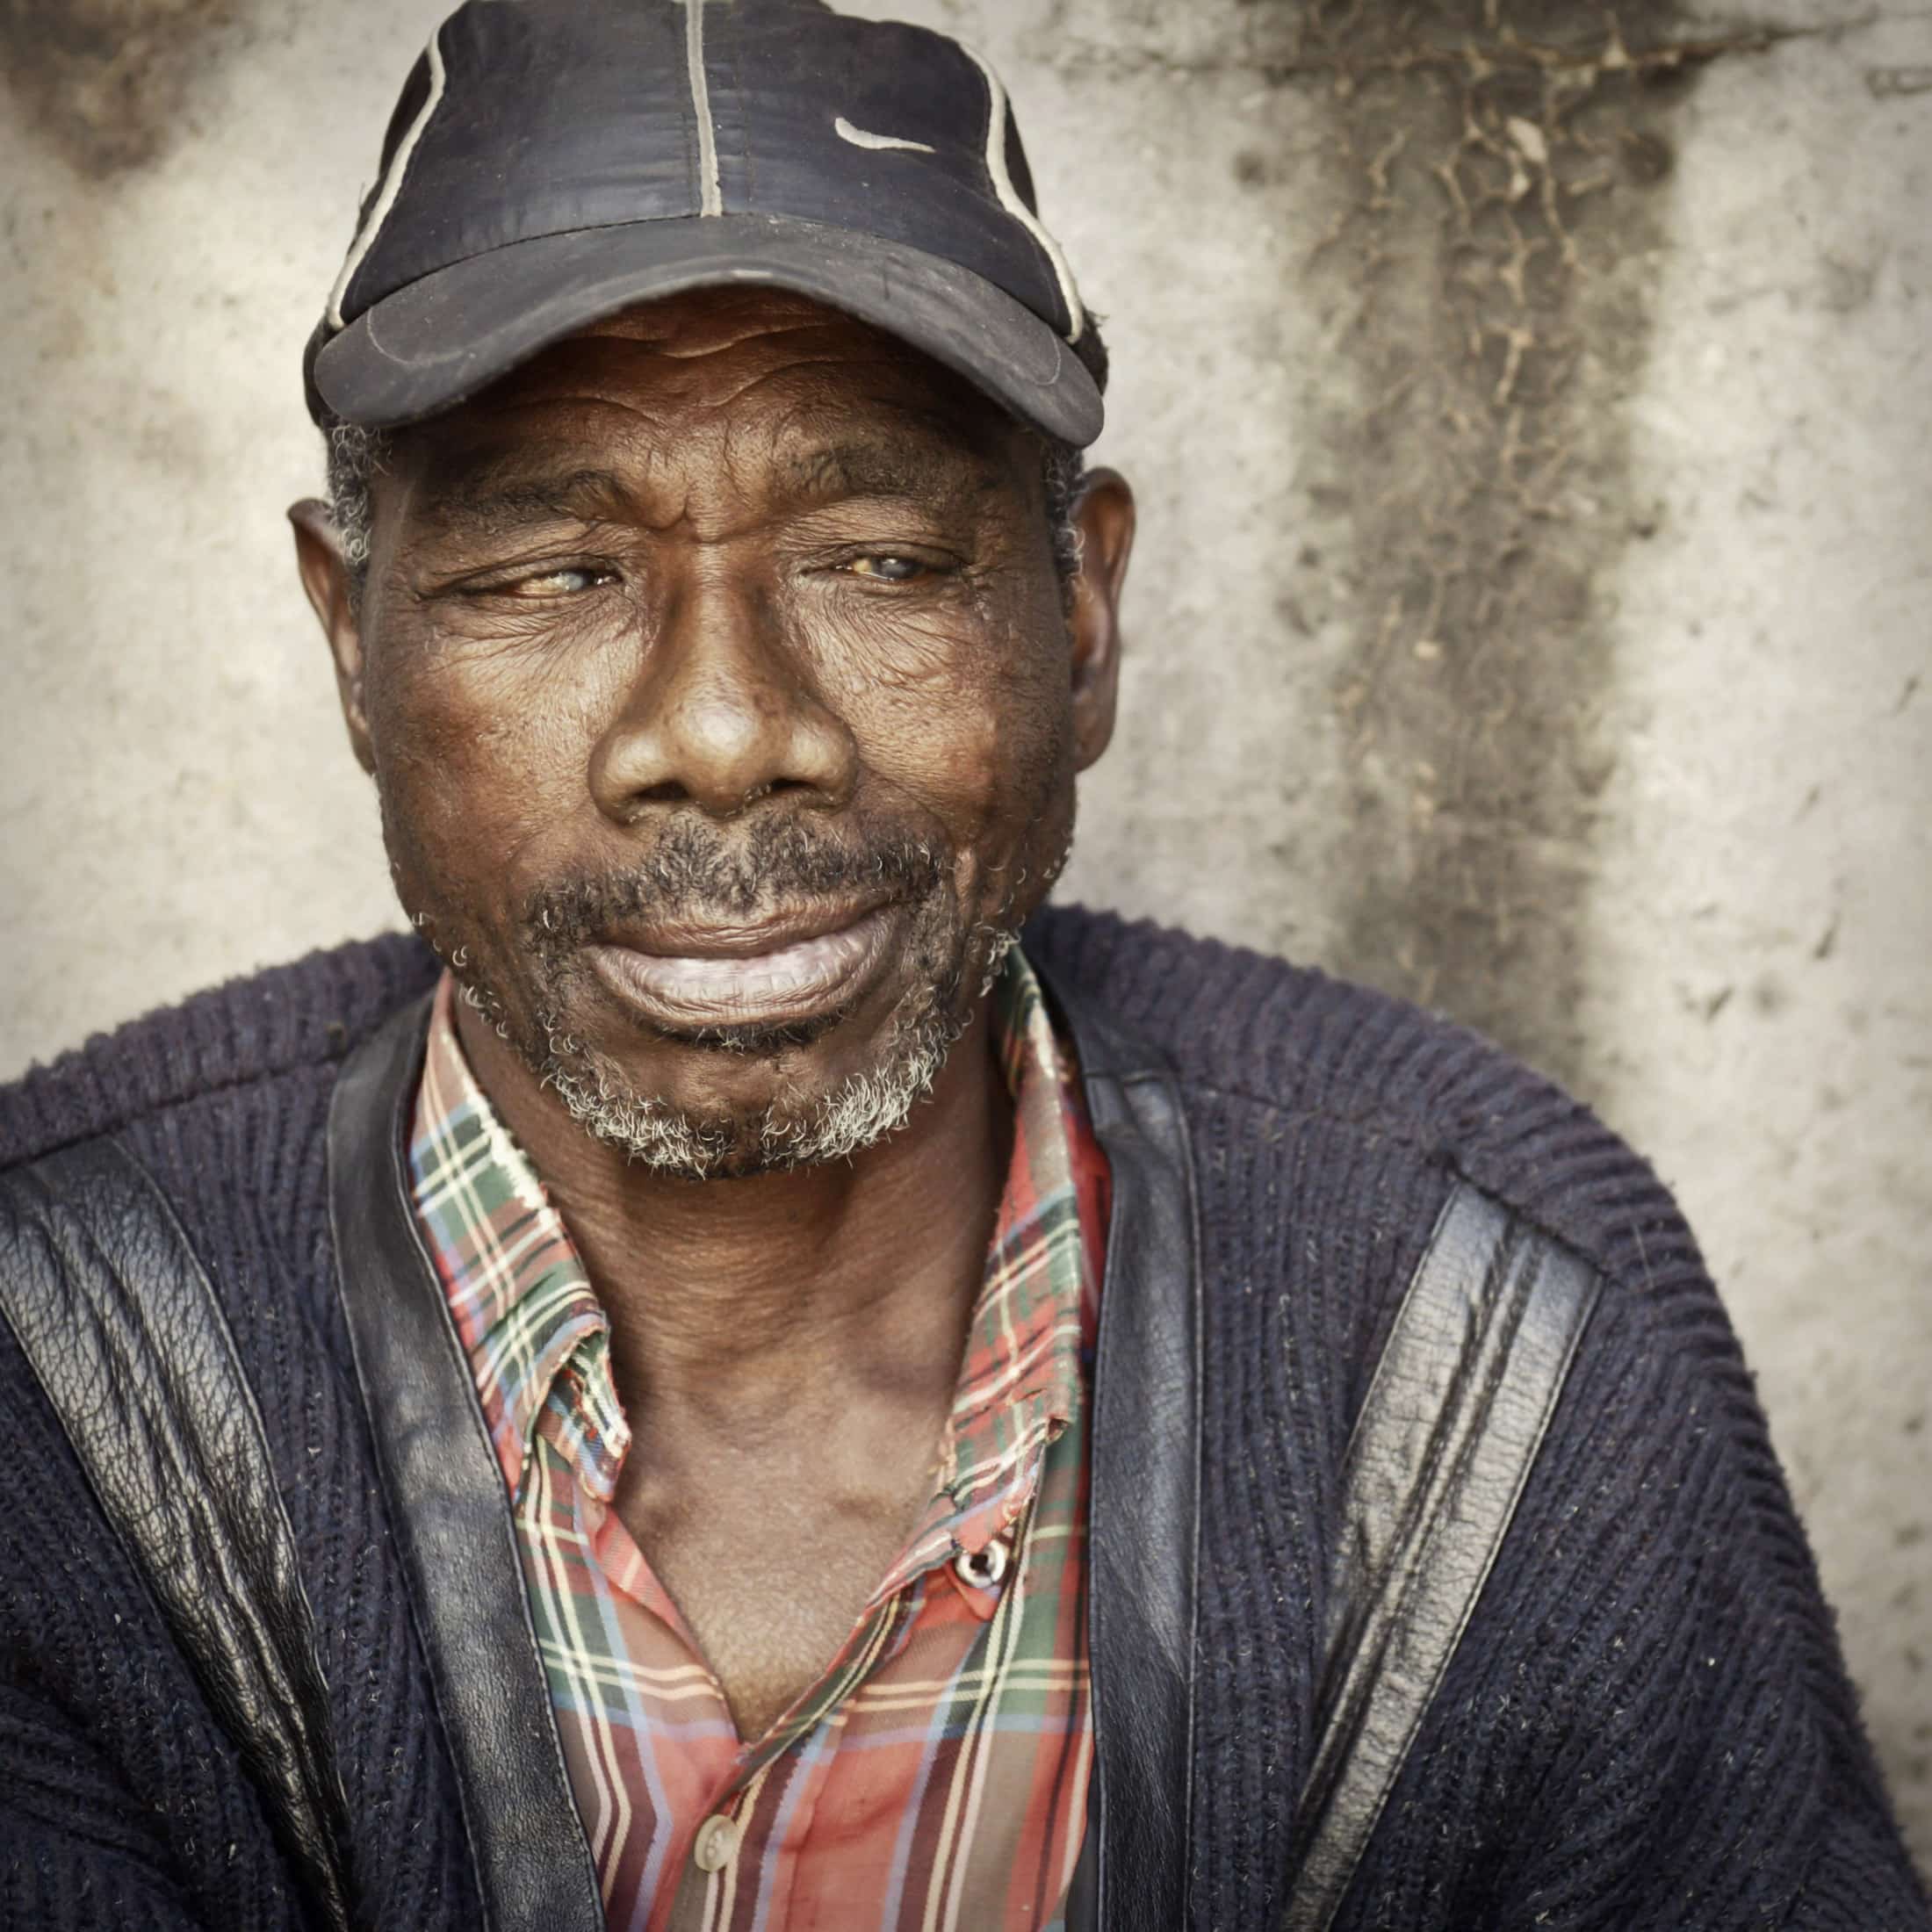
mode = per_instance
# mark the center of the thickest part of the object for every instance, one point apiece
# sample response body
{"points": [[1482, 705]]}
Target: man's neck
{"points": [[730, 1295], [786, 1349]]}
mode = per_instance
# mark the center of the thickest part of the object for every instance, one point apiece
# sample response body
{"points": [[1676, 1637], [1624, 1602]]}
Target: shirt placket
{"points": [[732, 1848]]}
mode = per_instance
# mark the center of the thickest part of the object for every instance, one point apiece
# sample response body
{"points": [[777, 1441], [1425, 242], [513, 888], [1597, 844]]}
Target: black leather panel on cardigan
{"points": [[1143, 1509], [1447, 1435], [533, 1865], [124, 1333]]}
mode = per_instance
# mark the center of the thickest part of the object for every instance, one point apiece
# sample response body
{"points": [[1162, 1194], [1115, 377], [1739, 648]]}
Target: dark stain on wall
{"points": [[1499, 170], [111, 84]]}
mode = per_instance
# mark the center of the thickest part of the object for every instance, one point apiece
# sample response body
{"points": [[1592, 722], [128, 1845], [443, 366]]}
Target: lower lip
{"points": [[794, 982]]}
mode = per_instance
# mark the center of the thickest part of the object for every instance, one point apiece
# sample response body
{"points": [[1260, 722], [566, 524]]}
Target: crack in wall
{"points": [[1496, 176], [1497, 168]]}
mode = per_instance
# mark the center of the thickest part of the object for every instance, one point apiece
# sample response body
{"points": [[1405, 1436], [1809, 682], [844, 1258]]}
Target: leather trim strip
{"points": [[1144, 1495], [123, 1330], [451, 1514], [1448, 1432]]}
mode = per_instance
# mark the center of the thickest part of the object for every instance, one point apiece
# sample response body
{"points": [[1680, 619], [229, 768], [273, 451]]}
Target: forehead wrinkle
{"points": [[599, 451], [719, 341], [886, 448], [879, 375], [486, 471], [741, 389]]}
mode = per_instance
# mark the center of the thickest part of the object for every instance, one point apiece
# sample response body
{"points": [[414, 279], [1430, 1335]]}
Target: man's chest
{"points": [[851, 1692], [770, 1575]]}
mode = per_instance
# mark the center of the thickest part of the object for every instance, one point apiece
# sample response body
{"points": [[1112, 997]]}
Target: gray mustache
{"points": [[696, 871]]}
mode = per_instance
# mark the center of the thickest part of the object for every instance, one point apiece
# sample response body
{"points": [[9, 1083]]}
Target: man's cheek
{"points": [[453, 765], [439, 855], [1006, 766]]}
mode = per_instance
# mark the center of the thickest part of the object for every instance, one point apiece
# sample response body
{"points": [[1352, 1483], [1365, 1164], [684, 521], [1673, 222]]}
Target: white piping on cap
{"points": [[1009, 196], [391, 183], [712, 201]]}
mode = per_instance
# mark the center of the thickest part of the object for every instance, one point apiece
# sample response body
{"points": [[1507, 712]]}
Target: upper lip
{"points": [[742, 939]]}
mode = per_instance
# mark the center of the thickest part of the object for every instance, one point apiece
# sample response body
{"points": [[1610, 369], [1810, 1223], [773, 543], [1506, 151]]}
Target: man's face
{"points": [[724, 701]]}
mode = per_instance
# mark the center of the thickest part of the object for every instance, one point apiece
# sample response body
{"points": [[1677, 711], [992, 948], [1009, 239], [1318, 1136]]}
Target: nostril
{"points": [[667, 792]]}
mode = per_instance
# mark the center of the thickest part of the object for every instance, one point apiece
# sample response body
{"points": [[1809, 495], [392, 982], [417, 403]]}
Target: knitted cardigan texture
{"points": [[1648, 1724]]}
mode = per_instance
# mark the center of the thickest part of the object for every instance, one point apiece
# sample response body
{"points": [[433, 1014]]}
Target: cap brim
{"points": [[433, 343]]}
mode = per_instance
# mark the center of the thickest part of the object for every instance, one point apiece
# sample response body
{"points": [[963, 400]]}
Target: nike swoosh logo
{"points": [[859, 138]]}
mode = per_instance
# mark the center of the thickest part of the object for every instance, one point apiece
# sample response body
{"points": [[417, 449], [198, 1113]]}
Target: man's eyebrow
{"points": [[488, 504], [868, 468]]}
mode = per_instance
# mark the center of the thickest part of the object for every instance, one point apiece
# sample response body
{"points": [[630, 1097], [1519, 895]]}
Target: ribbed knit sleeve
{"points": [[122, 1801], [119, 1804], [1648, 1725], [306, 1014], [76, 1852]]}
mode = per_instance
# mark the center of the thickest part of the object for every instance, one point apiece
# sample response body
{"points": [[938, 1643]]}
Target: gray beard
{"points": [[867, 1108], [695, 870]]}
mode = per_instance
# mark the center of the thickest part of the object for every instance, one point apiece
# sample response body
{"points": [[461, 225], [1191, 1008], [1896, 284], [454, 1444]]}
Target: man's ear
{"points": [[326, 578], [1105, 519]]}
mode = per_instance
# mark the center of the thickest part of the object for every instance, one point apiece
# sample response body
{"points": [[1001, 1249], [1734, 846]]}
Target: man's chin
{"points": [[854, 1113]]}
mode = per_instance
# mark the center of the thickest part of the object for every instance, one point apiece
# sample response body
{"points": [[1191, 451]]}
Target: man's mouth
{"points": [[784, 972]]}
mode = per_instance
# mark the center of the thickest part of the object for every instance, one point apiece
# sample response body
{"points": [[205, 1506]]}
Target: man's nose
{"points": [[719, 714]]}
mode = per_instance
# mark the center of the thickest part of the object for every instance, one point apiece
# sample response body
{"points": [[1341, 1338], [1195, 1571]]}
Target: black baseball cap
{"points": [[552, 161]]}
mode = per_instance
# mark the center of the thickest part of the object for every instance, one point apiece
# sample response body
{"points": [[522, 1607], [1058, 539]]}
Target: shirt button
{"points": [[982, 1570], [716, 1844]]}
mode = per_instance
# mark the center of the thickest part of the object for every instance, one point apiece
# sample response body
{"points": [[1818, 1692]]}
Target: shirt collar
{"points": [[537, 1336], [1021, 1378]]}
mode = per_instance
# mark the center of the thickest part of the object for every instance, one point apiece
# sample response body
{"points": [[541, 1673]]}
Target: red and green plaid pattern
{"points": [[935, 1776]]}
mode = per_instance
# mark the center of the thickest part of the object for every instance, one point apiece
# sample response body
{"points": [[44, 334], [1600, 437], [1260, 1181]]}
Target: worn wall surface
{"points": [[1533, 415]]}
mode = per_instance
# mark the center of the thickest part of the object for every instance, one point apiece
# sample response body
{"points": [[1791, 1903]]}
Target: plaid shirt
{"points": [[935, 1776]]}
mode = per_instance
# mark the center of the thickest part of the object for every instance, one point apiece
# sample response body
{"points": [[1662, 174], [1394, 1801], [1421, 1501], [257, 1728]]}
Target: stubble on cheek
{"points": [[1027, 835], [452, 896]]}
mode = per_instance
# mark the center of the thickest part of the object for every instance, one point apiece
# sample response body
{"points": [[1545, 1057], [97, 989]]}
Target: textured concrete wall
{"points": [[1533, 419]]}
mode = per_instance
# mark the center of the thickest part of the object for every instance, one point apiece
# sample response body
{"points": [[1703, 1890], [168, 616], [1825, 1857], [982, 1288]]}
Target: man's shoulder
{"points": [[249, 1031], [1293, 1052]]}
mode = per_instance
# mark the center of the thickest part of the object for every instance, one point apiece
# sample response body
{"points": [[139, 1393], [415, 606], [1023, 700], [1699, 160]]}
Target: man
{"points": [[717, 1389]]}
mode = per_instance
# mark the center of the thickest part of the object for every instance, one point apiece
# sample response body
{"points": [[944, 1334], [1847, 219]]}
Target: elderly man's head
{"points": [[715, 593], [728, 628]]}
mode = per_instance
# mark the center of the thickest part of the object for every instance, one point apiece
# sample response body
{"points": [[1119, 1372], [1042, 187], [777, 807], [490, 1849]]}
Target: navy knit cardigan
{"points": [[1648, 1724]]}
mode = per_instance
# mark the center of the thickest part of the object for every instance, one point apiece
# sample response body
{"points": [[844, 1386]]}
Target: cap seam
{"points": [[391, 189], [710, 188], [1009, 197]]}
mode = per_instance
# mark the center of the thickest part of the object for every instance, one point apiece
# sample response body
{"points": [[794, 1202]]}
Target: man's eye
{"points": [[889, 570], [568, 581]]}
